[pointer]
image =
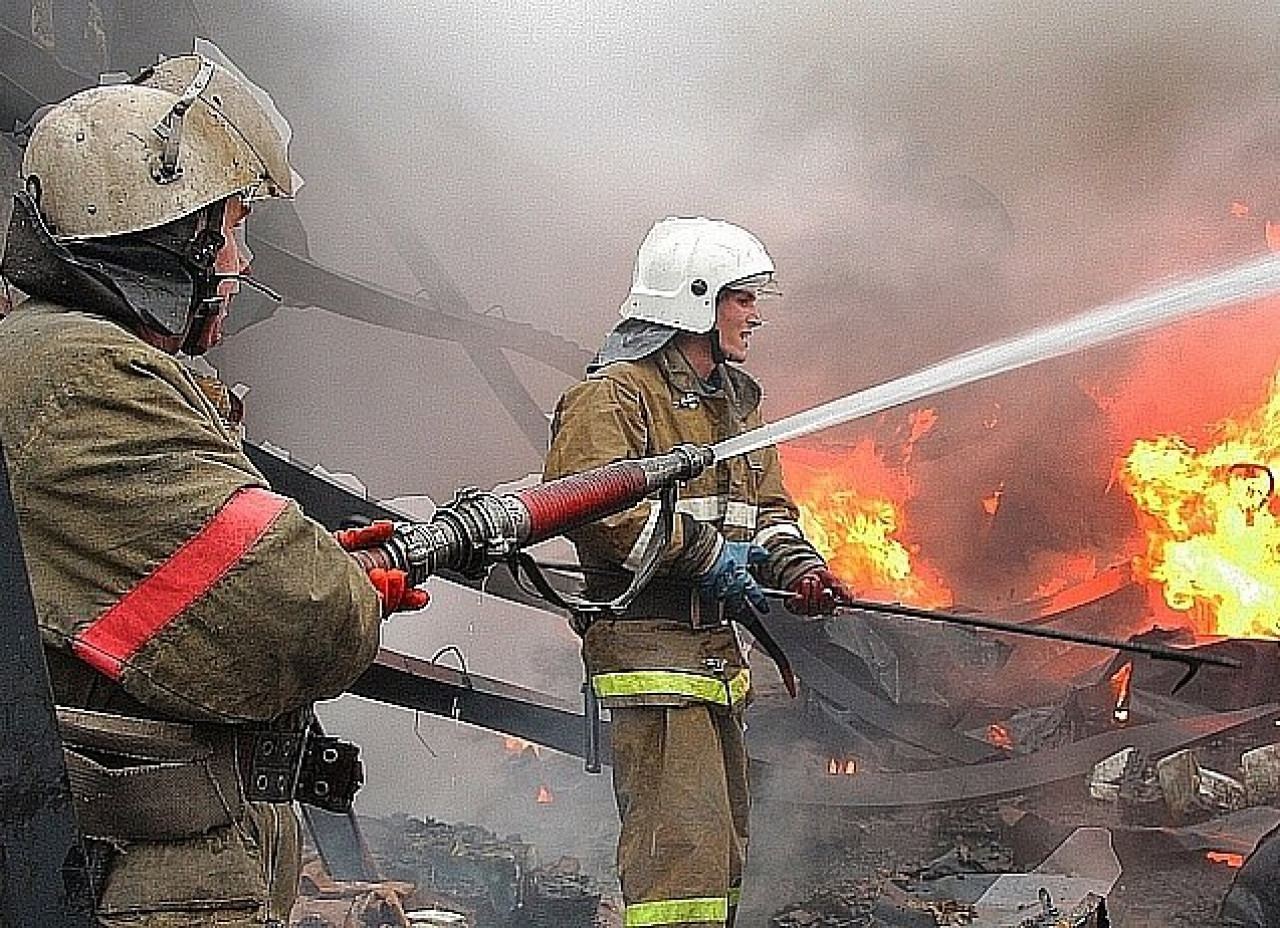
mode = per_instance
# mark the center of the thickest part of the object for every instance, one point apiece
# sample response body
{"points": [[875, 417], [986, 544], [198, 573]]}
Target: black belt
{"points": [[138, 779], [675, 601]]}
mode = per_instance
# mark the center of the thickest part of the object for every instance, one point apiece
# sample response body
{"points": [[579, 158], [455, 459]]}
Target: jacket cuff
{"points": [[790, 560]]}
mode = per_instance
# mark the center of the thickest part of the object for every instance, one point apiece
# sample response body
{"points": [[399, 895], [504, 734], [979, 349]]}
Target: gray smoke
{"points": [[928, 178]]}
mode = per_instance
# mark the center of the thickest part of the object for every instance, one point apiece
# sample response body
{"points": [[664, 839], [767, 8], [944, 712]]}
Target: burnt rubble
{"points": [[1172, 782], [439, 870]]}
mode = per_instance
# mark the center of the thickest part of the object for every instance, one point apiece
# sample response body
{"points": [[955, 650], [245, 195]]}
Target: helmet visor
{"points": [[207, 49], [758, 285]]}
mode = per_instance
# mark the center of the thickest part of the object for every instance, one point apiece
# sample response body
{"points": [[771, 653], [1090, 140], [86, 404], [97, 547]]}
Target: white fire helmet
{"points": [[126, 157], [682, 266]]}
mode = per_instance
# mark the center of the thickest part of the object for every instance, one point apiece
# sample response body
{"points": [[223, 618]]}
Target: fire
{"points": [[836, 766], [1213, 537], [921, 422], [1225, 857], [991, 502], [851, 508], [517, 747], [1121, 682], [1072, 570]]}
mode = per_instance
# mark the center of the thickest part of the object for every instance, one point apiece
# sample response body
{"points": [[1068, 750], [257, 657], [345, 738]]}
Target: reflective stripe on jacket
{"points": [[713, 910], [624, 683]]}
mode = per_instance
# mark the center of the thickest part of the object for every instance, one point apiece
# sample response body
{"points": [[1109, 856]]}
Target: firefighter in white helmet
{"points": [[670, 668], [189, 615]]}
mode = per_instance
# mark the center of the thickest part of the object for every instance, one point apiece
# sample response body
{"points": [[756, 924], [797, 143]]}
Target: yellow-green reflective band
{"points": [[674, 911], [672, 683], [735, 893]]}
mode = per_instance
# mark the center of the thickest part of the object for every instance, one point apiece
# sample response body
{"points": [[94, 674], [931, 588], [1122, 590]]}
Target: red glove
{"points": [[366, 536], [391, 583], [817, 592], [393, 589]]}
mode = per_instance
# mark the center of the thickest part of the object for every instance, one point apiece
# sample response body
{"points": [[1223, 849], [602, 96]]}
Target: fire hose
{"points": [[478, 529]]}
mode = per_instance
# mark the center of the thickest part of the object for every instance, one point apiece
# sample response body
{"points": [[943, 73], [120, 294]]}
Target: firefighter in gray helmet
{"points": [[670, 668], [127, 189], [189, 615]]}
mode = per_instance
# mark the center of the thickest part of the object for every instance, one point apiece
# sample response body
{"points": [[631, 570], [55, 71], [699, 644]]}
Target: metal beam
{"points": [[423, 686]]}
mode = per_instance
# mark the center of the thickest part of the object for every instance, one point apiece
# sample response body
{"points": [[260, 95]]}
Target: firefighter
{"points": [[190, 616], [670, 668]]}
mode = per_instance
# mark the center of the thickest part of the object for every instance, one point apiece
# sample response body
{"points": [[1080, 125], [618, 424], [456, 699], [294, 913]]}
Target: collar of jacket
{"points": [[734, 384]]}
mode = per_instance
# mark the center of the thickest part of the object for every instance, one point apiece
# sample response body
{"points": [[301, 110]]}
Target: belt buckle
{"points": [[272, 765]]}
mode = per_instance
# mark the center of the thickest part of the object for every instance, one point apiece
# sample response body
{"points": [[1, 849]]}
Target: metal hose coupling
{"points": [[476, 529]]}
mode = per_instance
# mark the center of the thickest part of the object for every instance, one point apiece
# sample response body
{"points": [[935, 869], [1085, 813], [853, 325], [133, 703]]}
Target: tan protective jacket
{"points": [[159, 558], [633, 409], [155, 549]]}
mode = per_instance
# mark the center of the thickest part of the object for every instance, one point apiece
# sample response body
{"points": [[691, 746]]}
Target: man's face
{"points": [[232, 258], [736, 316]]}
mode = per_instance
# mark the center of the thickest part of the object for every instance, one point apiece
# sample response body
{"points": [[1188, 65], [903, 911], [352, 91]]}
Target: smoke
{"points": [[432, 766], [928, 177]]}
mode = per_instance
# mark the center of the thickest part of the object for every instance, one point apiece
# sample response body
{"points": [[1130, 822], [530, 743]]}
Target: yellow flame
{"points": [[1213, 539], [856, 536], [851, 510]]}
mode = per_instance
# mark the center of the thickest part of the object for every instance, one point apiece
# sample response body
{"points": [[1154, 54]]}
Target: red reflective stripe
{"points": [[141, 613]]}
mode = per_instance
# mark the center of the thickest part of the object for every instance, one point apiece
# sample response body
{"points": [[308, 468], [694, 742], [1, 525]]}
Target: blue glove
{"points": [[728, 578]]}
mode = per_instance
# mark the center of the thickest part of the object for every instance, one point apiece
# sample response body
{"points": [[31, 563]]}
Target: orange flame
{"points": [[1213, 537], [991, 502], [1120, 690], [921, 422], [518, 746], [1272, 231], [1071, 570], [851, 509], [848, 767], [1225, 857]]}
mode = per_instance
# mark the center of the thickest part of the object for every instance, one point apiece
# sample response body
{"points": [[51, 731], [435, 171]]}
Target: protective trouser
{"points": [[244, 875], [185, 847], [680, 778]]}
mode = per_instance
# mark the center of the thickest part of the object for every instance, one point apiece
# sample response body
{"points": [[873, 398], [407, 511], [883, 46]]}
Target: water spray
{"points": [[1182, 300]]}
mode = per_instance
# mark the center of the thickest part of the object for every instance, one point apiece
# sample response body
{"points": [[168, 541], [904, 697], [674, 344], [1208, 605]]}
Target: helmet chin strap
{"points": [[252, 284], [211, 305], [717, 353], [201, 319], [201, 255]]}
